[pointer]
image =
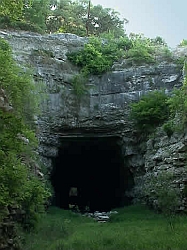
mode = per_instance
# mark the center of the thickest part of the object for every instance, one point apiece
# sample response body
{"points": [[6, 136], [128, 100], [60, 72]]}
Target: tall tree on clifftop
{"points": [[88, 18], [82, 17]]}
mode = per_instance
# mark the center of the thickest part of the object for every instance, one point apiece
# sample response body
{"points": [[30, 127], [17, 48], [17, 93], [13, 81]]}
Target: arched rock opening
{"points": [[95, 167]]}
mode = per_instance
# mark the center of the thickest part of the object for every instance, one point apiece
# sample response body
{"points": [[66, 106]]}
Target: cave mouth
{"points": [[89, 173]]}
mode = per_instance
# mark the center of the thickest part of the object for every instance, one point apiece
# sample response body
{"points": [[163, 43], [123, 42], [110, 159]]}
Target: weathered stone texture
{"points": [[105, 109]]}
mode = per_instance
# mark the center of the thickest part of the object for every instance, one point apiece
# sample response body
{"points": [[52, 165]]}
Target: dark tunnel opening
{"points": [[90, 173]]}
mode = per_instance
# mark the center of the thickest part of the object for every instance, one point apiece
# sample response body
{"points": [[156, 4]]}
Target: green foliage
{"points": [[67, 16], [169, 128], [71, 16], [18, 186], [6, 23], [36, 14], [183, 42], [178, 101], [11, 8], [105, 20], [91, 58], [180, 61], [146, 51], [151, 111], [78, 84], [165, 53], [163, 194], [158, 41], [18, 84], [60, 229], [99, 54], [142, 50]]}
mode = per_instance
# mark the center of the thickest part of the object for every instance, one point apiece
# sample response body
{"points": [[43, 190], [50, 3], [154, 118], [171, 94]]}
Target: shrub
{"points": [[162, 194], [91, 58], [151, 111], [18, 186], [141, 51], [169, 128], [139, 54], [99, 54]]}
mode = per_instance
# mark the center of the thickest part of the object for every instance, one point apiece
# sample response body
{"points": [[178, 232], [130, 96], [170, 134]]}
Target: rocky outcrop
{"points": [[5, 105], [100, 217], [9, 240], [167, 154], [104, 110]]}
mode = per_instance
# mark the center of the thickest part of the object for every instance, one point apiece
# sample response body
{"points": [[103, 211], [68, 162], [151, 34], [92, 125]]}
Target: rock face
{"points": [[167, 154], [104, 110]]}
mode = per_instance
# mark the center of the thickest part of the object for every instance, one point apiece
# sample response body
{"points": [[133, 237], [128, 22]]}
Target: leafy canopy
{"points": [[67, 16], [11, 8]]}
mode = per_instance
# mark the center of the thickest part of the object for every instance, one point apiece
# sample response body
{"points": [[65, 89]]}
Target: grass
{"points": [[133, 228]]}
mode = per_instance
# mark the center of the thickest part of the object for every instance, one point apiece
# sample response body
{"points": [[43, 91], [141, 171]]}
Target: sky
{"points": [[165, 18]]}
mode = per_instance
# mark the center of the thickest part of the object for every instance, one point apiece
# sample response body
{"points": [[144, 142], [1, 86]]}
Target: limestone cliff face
{"points": [[167, 154], [104, 110]]}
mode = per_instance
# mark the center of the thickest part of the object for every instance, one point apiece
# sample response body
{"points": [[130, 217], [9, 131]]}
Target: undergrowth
{"points": [[133, 228]]}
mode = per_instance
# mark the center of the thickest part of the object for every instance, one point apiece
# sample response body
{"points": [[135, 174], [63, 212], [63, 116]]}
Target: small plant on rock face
{"points": [[78, 84], [169, 128], [150, 111]]}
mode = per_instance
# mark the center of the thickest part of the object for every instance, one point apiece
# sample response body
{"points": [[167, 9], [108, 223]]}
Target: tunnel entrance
{"points": [[94, 167]]}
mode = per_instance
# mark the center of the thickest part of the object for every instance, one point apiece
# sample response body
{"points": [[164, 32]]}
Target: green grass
{"points": [[133, 228]]}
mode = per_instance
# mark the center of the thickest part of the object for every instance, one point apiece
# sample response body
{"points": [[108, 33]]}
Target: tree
{"points": [[62, 17], [105, 20], [36, 13], [72, 16], [11, 8]]}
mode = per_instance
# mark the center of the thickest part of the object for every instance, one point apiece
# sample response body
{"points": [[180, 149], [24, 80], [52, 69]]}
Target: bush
{"points": [[91, 58], [162, 194], [151, 111], [139, 54], [99, 54], [18, 186], [141, 51], [169, 128]]}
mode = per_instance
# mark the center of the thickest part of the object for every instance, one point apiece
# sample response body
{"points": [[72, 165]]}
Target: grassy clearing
{"points": [[133, 228]]}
